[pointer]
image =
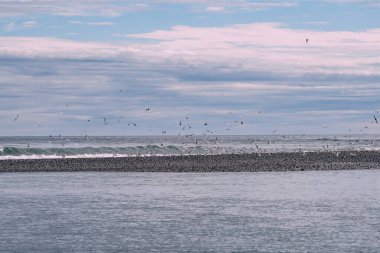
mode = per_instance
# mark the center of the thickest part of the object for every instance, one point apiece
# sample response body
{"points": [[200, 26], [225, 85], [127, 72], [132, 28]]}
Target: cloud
{"points": [[250, 52], [230, 6], [9, 27], [29, 24], [12, 26], [192, 70], [69, 7], [57, 48], [372, 3], [215, 8], [315, 22], [92, 23], [119, 7], [114, 8], [258, 48]]}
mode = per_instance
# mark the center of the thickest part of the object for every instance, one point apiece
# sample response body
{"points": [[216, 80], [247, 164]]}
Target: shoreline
{"points": [[264, 162]]}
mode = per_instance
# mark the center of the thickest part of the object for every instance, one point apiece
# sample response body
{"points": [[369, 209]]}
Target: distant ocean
{"points": [[121, 146]]}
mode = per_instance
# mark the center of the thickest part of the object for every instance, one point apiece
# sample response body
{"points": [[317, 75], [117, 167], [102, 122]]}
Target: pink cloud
{"points": [[272, 45], [57, 48], [251, 47]]}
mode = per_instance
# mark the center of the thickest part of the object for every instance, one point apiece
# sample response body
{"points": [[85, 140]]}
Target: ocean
{"points": [[121, 146], [310, 211], [299, 211]]}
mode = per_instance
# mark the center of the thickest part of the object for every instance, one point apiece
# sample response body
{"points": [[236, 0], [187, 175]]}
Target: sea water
{"points": [[118, 146], [314, 211]]}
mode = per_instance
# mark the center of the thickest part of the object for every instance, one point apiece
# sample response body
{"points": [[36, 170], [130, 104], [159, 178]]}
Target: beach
{"points": [[255, 162]]}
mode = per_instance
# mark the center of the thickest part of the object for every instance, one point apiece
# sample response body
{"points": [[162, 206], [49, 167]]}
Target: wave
{"points": [[39, 147], [148, 150]]}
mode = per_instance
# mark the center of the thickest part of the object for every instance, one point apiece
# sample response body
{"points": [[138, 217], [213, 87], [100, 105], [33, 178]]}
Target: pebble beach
{"points": [[256, 162]]}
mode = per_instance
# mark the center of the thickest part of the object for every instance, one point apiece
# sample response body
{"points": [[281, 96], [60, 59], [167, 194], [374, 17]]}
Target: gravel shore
{"points": [[346, 160]]}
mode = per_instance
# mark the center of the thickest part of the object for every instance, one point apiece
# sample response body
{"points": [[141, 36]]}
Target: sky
{"points": [[152, 67]]}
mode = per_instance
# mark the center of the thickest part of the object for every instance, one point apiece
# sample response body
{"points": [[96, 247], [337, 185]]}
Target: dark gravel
{"points": [[347, 160]]}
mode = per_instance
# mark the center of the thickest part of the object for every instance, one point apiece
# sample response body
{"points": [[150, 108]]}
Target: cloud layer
{"points": [[214, 74], [119, 7]]}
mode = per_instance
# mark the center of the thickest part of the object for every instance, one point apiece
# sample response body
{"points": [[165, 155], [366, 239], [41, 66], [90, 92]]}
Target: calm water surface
{"points": [[224, 212]]}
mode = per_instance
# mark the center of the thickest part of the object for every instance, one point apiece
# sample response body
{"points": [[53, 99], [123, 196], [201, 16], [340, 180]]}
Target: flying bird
{"points": [[16, 117]]}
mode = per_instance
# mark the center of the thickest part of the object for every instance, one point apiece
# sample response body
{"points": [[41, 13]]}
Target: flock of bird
{"points": [[184, 124], [207, 139]]}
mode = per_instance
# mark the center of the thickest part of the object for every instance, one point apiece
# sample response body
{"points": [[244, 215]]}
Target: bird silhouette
{"points": [[16, 117]]}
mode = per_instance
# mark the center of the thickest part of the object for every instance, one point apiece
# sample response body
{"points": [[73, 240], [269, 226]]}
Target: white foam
{"points": [[36, 157]]}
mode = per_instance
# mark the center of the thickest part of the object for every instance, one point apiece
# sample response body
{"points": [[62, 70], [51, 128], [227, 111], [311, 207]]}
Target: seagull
{"points": [[16, 117], [147, 109], [180, 123], [374, 116], [307, 41]]}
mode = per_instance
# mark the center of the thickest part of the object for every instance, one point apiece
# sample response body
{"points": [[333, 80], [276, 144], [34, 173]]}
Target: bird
{"points": [[16, 117], [105, 121], [307, 41], [147, 109], [374, 116]]}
